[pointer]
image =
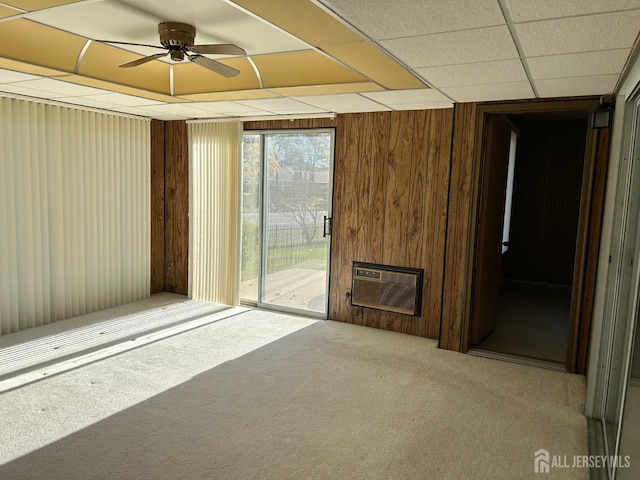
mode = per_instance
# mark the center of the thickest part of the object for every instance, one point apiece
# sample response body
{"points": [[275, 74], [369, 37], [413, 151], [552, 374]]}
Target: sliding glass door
{"points": [[619, 380], [287, 181]]}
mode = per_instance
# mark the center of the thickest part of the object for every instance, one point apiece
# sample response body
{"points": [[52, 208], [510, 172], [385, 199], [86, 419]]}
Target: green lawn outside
{"points": [[312, 256]]}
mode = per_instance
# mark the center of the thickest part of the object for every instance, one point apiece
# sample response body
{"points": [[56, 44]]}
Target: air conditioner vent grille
{"points": [[385, 287]]}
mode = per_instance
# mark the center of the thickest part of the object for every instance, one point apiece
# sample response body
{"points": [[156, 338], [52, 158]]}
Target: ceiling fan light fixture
{"points": [[177, 41], [174, 34], [177, 55]]}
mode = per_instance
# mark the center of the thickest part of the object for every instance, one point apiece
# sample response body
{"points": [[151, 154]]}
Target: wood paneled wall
{"points": [[404, 190], [169, 207], [285, 124], [593, 229], [157, 207], [391, 187], [456, 293]]}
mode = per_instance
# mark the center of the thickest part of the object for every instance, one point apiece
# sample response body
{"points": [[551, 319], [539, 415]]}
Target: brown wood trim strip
{"points": [[157, 207]]}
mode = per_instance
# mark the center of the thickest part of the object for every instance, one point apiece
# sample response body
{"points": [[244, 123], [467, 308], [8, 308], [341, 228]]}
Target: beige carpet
{"points": [[269, 396], [532, 321]]}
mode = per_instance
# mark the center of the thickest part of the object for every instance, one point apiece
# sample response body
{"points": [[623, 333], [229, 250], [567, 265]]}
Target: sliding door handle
{"points": [[326, 228]]}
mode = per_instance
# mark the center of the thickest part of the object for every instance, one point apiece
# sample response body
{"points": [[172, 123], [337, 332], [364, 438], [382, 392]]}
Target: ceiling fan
{"points": [[177, 39]]}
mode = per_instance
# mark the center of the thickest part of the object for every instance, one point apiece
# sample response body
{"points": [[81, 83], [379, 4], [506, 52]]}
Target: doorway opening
{"points": [[528, 234]]}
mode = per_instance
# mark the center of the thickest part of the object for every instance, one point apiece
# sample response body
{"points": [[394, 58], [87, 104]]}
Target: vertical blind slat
{"points": [[74, 214], [214, 273]]}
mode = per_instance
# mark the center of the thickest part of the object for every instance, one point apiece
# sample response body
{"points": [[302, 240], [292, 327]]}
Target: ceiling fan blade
{"points": [[142, 60], [214, 66], [129, 43], [219, 49]]}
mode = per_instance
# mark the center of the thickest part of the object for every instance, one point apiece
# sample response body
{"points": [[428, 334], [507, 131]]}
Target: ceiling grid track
{"points": [[518, 45], [171, 81], [255, 69], [86, 46]]}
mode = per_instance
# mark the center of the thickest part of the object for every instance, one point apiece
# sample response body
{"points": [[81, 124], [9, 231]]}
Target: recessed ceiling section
{"points": [[291, 45], [6, 12], [101, 62], [303, 68], [136, 21], [30, 42], [190, 79], [322, 30], [372, 62]]}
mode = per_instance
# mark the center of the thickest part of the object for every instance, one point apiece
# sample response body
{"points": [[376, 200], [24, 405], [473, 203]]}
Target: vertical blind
{"points": [[214, 211], [74, 212]]}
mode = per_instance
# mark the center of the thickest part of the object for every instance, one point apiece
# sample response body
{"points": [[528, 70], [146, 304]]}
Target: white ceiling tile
{"points": [[206, 115], [343, 103], [280, 105], [486, 93], [29, 92], [579, 34], [134, 111], [60, 88], [501, 71], [421, 99], [469, 46], [425, 95], [401, 18], [527, 10], [234, 109], [182, 109], [578, 64], [167, 117], [421, 105], [8, 76], [86, 101], [575, 86], [120, 99]]}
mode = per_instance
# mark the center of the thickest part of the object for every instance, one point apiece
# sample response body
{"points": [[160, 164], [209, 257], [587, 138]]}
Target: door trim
{"points": [[589, 226]]}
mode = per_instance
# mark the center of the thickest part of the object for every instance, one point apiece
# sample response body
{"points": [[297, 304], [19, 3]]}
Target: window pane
{"points": [[297, 170], [250, 262]]}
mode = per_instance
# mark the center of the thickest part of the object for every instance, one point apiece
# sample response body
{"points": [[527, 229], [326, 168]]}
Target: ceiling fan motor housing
{"points": [[176, 35]]}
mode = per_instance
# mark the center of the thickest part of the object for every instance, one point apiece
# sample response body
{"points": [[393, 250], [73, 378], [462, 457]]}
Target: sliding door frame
{"points": [[263, 194]]}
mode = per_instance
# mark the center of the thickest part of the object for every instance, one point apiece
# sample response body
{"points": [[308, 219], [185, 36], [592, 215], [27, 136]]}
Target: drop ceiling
{"points": [[315, 57]]}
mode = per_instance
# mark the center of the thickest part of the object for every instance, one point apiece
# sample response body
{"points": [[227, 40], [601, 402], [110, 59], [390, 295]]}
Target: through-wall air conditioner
{"points": [[385, 287]]}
